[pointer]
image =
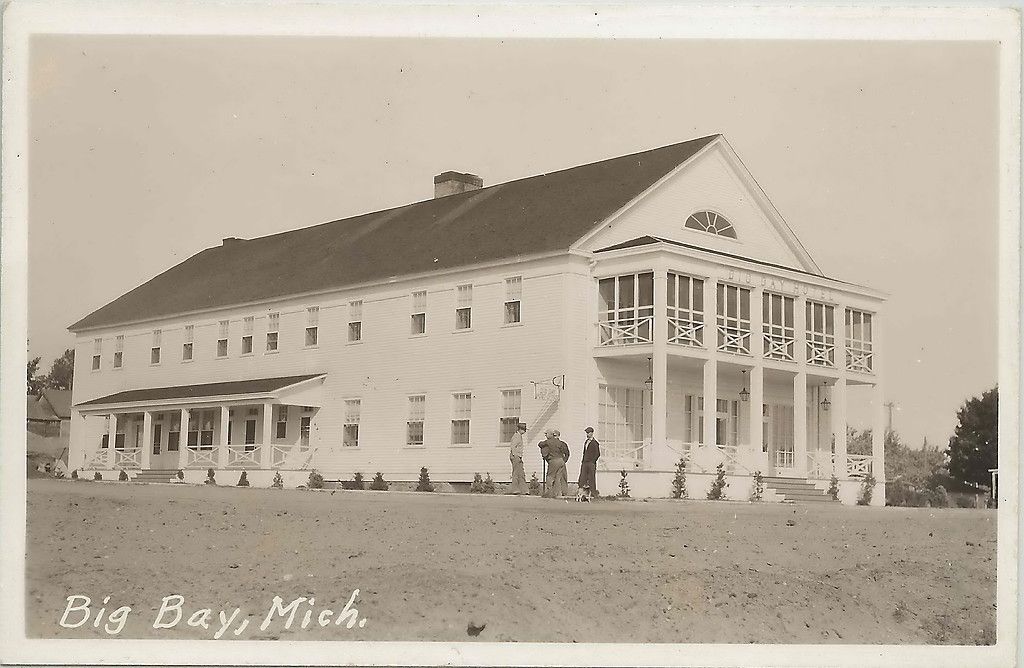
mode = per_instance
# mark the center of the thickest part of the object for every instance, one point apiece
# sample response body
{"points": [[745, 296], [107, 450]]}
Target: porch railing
{"points": [[243, 456], [627, 332], [200, 456], [785, 459], [289, 456], [623, 454], [685, 332], [821, 354], [820, 465], [858, 466], [858, 359], [778, 347], [99, 459], [128, 458], [733, 340]]}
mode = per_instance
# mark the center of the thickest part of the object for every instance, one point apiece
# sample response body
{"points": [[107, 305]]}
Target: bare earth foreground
{"points": [[527, 569]]}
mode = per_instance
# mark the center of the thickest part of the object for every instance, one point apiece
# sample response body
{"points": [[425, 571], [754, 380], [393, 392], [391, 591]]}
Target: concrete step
{"points": [[795, 490]]}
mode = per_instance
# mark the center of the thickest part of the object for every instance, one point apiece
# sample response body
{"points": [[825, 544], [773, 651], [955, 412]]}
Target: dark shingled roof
{"points": [[546, 213], [256, 386]]}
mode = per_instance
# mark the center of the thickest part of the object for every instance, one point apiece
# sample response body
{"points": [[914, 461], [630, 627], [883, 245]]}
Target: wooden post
{"points": [[222, 448], [183, 440], [710, 402], [147, 439], [800, 423], [111, 441], [266, 444], [659, 370]]}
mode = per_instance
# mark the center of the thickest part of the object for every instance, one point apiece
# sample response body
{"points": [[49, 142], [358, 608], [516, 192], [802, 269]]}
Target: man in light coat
{"points": [[554, 453], [515, 455]]}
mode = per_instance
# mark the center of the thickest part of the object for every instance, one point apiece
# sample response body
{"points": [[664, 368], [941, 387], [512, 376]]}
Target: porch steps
{"points": [[156, 475], [797, 490]]}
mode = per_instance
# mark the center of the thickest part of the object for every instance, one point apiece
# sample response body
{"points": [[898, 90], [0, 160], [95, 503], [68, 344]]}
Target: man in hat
{"points": [[515, 455], [554, 452], [588, 469]]}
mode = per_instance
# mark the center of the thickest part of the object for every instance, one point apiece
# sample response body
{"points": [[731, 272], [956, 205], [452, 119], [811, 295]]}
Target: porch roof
{"points": [[255, 386]]}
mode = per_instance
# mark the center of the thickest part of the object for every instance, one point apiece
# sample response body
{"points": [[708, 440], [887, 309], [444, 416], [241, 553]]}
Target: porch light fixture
{"points": [[744, 394], [649, 383], [825, 403]]}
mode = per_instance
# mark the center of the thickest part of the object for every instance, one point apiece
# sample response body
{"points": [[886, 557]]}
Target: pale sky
{"points": [[880, 156]]}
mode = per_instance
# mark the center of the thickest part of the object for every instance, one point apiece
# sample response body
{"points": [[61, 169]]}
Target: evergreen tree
{"points": [[243, 480], [378, 483], [534, 485], [623, 486], [717, 491], [424, 484], [62, 372], [679, 481], [974, 447]]}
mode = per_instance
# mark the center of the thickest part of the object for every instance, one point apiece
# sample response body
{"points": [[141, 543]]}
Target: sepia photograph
{"points": [[577, 336]]}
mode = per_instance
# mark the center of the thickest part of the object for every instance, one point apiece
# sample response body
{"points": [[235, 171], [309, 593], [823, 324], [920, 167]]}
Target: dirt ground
{"points": [[432, 567]]}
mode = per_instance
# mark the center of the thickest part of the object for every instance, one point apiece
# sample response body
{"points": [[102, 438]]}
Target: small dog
{"points": [[583, 495]]}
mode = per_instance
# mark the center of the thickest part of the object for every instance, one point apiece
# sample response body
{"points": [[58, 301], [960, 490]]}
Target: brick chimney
{"points": [[452, 183]]}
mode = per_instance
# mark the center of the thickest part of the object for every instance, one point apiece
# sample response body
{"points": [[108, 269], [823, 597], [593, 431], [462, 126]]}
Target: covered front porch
{"points": [[243, 425]]}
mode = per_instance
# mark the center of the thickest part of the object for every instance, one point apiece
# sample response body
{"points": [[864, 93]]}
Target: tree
{"points": [[973, 448], [62, 372], [35, 383]]}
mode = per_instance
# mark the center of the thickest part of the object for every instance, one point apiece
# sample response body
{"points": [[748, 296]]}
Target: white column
{"points": [[183, 440], [111, 440], [710, 402], [147, 439], [659, 370], [755, 424], [222, 449], [711, 314], [878, 432], [800, 330], [841, 337], [800, 423], [265, 445], [756, 329], [839, 425]]}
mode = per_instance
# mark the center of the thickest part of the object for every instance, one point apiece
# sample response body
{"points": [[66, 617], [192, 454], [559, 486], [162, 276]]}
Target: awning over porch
{"points": [[235, 390]]}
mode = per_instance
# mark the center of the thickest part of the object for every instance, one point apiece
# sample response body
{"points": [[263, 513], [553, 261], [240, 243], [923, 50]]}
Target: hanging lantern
{"points": [[744, 394]]}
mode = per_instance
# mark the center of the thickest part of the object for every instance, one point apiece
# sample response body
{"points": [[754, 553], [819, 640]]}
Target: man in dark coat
{"points": [[588, 469], [554, 453]]}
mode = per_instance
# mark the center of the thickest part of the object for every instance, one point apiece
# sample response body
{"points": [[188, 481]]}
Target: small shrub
{"points": [[74, 474], [757, 492], [278, 480], [623, 486], [316, 481], [534, 485], [424, 484], [488, 485], [97, 476], [717, 491], [833, 488], [867, 489], [378, 483], [357, 481], [210, 480], [938, 498], [679, 481], [181, 475], [965, 502], [243, 480], [477, 486], [122, 476]]}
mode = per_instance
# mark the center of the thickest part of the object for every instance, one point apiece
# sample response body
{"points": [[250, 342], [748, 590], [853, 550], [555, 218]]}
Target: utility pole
{"points": [[890, 405]]}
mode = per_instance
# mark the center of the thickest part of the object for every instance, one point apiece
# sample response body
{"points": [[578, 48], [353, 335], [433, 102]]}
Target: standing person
{"points": [[515, 455], [588, 469], [562, 482], [551, 451]]}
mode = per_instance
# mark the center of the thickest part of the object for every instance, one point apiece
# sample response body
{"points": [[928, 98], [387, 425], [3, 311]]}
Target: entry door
{"points": [[779, 437], [250, 434], [160, 457]]}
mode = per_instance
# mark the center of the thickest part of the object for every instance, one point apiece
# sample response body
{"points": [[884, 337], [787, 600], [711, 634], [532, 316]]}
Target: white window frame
{"points": [[513, 311], [118, 360], [778, 317], [247, 329], [281, 422], [463, 307], [188, 345], [685, 303], [626, 318], [273, 333], [733, 325], [419, 310], [416, 415], [353, 413], [224, 327], [859, 348], [312, 336], [821, 333], [462, 413], [97, 354], [355, 321], [510, 401], [154, 351]]}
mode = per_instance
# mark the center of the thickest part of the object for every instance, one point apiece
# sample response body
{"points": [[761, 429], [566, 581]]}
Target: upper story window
{"points": [[312, 325], [513, 300], [186, 347], [821, 334], [247, 325], [733, 319], [419, 313], [97, 353], [777, 325], [709, 221], [355, 321], [154, 351], [859, 355], [463, 307], [685, 301], [626, 304], [222, 340], [119, 351], [273, 323]]}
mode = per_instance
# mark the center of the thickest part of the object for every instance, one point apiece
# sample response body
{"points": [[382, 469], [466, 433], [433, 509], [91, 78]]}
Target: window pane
{"points": [[419, 323], [512, 313], [606, 289], [670, 294], [626, 287], [646, 290], [698, 294]]}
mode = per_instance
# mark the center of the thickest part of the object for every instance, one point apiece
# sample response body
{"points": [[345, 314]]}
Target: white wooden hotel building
{"points": [[617, 294]]}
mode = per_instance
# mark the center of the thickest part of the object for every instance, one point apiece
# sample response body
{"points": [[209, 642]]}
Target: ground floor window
{"points": [[727, 420], [462, 410], [511, 407], [621, 422], [350, 435], [282, 422], [779, 434], [200, 430], [414, 423], [157, 434]]}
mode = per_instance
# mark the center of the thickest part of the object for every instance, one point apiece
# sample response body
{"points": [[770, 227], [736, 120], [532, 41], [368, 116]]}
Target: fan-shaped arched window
{"points": [[709, 221]]}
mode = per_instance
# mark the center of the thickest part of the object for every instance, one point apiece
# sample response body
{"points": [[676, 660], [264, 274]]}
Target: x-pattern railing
{"points": [[686, 332], [623, 453], [199, 458], [821, 353], [778, 346], [627, 332], [820, 465], [128, 458], [241, 456], [290, 456], [858, 359], [100, 459], [733, 339], [858, 465]]}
